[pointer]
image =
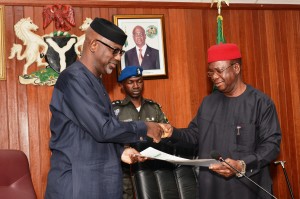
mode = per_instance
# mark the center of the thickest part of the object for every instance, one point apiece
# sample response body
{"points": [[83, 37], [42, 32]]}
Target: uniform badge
{"points": [[117, 111]]}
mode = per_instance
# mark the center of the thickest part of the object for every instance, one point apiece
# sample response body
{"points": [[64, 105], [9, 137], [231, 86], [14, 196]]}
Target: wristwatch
{"points": [[243, 171]]}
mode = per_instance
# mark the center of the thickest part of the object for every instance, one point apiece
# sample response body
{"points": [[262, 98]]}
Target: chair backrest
{"points": [[15, 178], [154, 179]]}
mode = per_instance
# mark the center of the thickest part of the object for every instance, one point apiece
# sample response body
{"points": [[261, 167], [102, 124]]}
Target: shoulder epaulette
{"points": [[153, 102]]}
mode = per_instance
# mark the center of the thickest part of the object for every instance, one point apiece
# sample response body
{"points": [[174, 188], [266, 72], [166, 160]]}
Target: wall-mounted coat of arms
{"points": [[52, 52]]}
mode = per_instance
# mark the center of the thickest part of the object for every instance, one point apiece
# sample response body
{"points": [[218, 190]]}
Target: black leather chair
{"points": [[15, 178], [155, 179]]}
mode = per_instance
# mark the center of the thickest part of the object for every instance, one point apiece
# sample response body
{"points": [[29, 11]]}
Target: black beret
{"points": [[109, 30]]}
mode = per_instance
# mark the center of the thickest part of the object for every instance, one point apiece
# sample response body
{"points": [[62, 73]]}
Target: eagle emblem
{"points": [[62, 15]]}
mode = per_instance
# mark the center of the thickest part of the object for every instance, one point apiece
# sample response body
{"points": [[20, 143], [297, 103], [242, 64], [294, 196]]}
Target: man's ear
{"points": [[237, 68], [122, 87], [93, 46]]}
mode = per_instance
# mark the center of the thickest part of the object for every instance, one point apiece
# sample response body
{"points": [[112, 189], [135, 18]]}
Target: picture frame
{"points": [[2, 45], [153, 57]]}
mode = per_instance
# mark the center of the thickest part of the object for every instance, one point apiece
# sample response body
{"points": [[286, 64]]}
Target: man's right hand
{"points": [[155, 131], [168, 130]]}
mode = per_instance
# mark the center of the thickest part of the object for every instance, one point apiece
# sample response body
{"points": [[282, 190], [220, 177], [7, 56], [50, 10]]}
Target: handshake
{"points": [[154, 130], [158, 130]]}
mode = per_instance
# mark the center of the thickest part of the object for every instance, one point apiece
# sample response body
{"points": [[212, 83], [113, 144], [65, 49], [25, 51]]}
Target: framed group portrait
{"points": [[145, 44], [2, 45]]}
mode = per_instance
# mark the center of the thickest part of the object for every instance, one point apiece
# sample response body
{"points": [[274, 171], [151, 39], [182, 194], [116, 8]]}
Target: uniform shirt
{"points": [[86, 139], [242, 128], [149, 111]]}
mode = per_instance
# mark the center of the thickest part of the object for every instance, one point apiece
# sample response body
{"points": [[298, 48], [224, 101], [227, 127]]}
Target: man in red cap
{"points": [[238, 121]]}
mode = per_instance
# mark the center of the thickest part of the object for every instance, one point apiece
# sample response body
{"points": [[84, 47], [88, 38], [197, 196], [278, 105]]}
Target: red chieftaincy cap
{"points": [[223, 52]]}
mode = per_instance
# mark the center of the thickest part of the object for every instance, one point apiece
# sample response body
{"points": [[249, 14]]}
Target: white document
{"points": [[157, 154]]}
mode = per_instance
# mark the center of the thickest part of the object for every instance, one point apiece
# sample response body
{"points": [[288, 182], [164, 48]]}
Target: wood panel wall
{"points": [[267, 35]]}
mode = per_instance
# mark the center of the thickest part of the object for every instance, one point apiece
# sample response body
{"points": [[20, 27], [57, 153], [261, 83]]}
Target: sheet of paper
{"points": [[157, 154]]}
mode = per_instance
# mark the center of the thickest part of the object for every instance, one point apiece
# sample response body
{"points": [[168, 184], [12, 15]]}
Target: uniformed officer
{"points": [[135, 107]]}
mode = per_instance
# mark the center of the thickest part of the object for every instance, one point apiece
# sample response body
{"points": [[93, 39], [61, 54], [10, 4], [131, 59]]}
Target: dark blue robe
{"points": [[242, 128], [86, 139]]}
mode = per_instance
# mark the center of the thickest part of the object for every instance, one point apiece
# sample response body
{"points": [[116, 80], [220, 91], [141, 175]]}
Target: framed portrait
{"points": [[145, 44], [2, 45]]}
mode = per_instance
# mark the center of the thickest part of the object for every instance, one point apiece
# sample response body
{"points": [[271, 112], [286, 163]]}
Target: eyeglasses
{"points": [[138, 34], [115, 50], [218, 71]]}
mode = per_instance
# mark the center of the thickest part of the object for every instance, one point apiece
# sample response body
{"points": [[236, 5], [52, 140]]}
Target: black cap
{"points": [[109, 30]]}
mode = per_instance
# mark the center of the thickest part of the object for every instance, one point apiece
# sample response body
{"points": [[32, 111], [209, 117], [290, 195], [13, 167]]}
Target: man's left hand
{"points": [[225, 170], [130, 156]]}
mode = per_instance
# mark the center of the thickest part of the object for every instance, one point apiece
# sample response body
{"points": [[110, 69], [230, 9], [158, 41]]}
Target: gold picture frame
{"points": [[154, 59], [2, 45]]}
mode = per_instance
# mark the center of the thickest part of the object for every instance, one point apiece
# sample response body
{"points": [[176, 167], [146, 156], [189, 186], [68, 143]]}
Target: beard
{"points": [[110, 66], [108, 70]]}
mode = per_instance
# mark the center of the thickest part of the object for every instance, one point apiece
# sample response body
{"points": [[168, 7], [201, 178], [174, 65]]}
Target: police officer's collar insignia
{"points": [[150, 101], [116, 102]]}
